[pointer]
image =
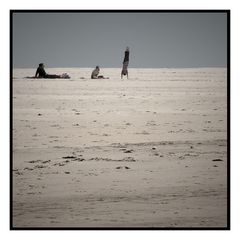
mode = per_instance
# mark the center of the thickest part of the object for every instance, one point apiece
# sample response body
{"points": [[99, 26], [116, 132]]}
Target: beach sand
{"points": [[150, 151]]}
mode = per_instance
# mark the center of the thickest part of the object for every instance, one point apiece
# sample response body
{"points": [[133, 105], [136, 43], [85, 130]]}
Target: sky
{"points": [[83, 39]]}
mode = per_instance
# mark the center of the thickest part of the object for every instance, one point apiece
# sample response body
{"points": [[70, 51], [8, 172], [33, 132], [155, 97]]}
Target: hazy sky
{"points": [[90, 39]]}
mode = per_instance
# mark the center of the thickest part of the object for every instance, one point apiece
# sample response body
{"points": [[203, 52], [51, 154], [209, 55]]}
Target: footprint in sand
{"points": [[106, 135], [128, 151], [27, 168], [143, 133], [128, 159], [40, 166], [78, 159], [55, 125], [47, 161], [59, 164], [122, 167]]}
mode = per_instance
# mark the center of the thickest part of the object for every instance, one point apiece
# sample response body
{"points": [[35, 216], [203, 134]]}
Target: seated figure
{"points": [[41, 73], [95, 74]]}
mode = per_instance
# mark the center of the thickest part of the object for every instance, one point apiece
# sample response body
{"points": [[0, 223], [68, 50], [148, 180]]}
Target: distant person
{"points": [[125, 63], [95, 74], [41, 73]]}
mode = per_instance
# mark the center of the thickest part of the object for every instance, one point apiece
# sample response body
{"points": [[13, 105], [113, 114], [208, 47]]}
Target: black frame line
{"points": [[227, 11]]}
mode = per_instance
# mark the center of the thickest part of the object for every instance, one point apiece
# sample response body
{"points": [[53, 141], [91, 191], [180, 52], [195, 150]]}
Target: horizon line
{"points": [[121, 67]]}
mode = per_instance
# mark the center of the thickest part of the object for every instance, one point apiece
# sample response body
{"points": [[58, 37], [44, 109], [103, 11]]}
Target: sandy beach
{"points": [[148, 151]]}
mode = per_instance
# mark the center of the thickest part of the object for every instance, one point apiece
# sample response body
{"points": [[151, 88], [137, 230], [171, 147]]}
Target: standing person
{"points": [[41, 73], [125, 63]]}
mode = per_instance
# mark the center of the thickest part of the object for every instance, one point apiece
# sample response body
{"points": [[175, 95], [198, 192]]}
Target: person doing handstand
{"points": [[125, 63]]}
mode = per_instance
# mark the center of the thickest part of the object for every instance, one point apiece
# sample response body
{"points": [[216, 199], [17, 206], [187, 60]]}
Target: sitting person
{"points": [[41, 73], [95, 73]]}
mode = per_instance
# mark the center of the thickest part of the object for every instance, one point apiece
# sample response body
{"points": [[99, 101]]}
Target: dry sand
{"points": [[150, 151]]}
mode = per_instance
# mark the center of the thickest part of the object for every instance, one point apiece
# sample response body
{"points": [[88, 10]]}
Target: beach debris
{"points": [[215, 165], [153, 148], [67, 172], [217, 160], [69, 157], [39, 114]]}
